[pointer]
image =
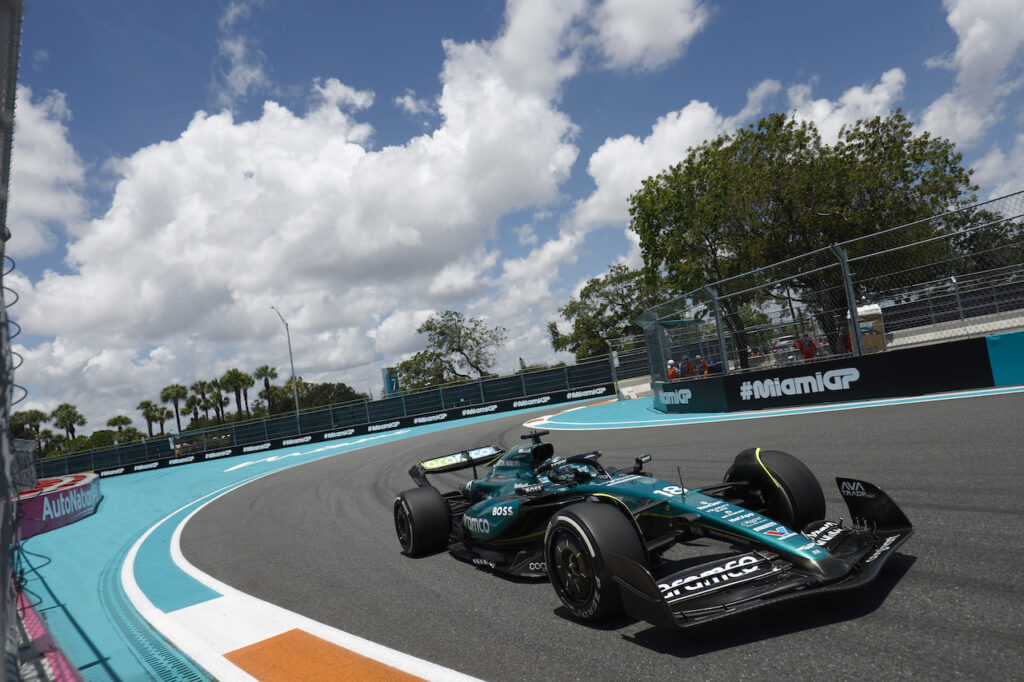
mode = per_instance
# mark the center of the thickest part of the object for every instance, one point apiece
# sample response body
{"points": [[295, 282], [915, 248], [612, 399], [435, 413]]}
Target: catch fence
{"points": [[953, 275]]}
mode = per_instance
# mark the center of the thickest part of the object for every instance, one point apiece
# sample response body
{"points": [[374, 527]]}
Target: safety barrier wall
{"points": [[973, 363], [365, 431], [1006, 355], [58, 502]]}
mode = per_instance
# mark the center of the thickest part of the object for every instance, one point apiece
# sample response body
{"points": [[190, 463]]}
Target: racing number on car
{"points": [[669, 491]]}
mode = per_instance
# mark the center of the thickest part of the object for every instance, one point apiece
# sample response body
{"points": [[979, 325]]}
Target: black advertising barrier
{"points": [[954, 366], [690, 395], [379, 427]]}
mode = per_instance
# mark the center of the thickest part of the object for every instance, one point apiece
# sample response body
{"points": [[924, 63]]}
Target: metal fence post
{"points": [[440, 392], [721, 331], [566, 372], [613, 360], [851, 297], [959, 306], [522, 380], [480, 383]]}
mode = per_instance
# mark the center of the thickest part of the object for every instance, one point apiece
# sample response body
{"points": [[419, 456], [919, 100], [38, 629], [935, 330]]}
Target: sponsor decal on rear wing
{"points": [[454, 462]]}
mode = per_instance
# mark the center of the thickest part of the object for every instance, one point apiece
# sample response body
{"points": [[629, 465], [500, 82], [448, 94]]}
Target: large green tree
{"points": [[318, 395], [27, 424], [774, 190], [174, 394], [458, 347], [607, 309], [67, 417]]}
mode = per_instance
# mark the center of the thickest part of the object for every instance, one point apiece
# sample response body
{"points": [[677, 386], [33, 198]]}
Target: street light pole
{"points": [[295, 388]]}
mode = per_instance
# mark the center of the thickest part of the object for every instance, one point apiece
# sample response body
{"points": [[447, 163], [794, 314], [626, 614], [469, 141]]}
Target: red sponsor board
{"points": [[57, 502]]}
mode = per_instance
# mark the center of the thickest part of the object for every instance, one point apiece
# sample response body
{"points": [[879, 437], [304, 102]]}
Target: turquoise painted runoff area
{"points": [[1006, 356]]}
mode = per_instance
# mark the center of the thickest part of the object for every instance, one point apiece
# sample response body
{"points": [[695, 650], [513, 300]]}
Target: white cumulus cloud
{"points": [[988, 68]]}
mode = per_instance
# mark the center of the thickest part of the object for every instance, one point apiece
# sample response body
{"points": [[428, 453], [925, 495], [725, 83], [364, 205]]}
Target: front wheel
{"points": [[780, 486], [422, 520], [578, 540]]}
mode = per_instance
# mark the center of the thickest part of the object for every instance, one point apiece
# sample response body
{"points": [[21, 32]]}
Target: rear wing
{"points": [[454, 462]]}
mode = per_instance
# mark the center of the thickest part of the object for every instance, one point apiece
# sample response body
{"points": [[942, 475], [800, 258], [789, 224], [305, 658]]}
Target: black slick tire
{"points": [[422, 520], [781, 486], [578, 540]]}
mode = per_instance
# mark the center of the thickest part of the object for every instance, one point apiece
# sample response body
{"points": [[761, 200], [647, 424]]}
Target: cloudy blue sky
{"points": [[180, 167]]}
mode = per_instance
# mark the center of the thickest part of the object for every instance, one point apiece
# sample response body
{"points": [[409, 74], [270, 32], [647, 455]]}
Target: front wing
{"points": [[734, 584]]}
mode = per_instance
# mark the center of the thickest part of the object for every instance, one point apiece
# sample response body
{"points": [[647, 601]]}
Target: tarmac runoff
{"points": [[95, 578]]}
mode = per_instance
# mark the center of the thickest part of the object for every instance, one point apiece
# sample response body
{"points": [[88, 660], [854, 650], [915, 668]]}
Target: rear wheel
{"points": [[422, 520], [780, 486], [577, 542]]}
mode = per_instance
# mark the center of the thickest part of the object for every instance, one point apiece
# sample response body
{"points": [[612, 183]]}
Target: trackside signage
{"points": [[377, 427], [955, 366], [57, 502], [689, 396], [773, 387], [959, 365]]}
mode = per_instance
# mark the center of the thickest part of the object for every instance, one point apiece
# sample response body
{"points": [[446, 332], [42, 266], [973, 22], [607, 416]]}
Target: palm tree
{"points": [[247, 383], [266, 372], [45, 442], [193, 404], [119, 422], [67, 417], [161, 414], [233, 379], [216, 398], [200, 388], [173, 394], [148, 410]]}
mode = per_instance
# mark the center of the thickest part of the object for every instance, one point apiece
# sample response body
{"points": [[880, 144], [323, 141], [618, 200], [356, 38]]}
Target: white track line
{"points": [[209, 630]]}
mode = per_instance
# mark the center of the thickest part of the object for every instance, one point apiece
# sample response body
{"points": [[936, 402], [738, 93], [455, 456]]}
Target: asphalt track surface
{"points": [[318, 539]]}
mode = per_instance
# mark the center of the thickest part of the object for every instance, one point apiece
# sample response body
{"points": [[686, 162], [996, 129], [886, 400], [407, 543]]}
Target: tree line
{"points": [[204, 403]]}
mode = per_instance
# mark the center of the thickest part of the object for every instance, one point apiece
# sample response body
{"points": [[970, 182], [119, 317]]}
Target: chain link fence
{"points": [[953, 275]]}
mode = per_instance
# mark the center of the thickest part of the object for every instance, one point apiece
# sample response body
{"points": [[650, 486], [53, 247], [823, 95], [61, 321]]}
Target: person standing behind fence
{"points": [[701, 369], [806, 346], [672, 372]]}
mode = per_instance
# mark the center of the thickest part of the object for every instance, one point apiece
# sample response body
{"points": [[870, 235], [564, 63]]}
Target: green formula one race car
{"points": [[600, 535]]}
